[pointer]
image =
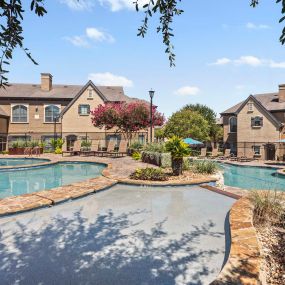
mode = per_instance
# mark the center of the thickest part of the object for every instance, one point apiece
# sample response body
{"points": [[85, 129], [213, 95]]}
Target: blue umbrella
{"points": [[282, 141], [192, 141]]}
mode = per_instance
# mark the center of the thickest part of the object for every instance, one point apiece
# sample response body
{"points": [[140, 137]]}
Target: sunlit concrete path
{"points": [[124, 235]]}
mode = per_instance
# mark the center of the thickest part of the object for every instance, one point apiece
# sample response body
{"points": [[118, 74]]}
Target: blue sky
{"points": [[225, 50]]}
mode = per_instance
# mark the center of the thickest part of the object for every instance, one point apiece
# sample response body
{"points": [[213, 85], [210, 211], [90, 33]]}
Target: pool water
{"points": [[17, 182], [253, 178], [20, 161]]}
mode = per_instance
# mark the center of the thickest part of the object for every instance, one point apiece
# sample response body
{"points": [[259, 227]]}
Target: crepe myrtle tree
{"points": [[126, 118]]}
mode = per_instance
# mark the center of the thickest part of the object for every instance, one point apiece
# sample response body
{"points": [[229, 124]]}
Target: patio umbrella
{"points": [[192, 142], [281, 141]]}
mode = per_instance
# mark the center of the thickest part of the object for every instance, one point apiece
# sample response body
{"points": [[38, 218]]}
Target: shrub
{"points": [[156, 158], [58, 150], [136, 156], [5, 152], [86, 144], [15, 144], [268, 207], [155, 147], [205, 166], [136, 146], [153, 174]]}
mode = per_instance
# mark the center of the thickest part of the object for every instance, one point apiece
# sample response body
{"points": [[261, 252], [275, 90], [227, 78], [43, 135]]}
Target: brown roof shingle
{"points": [[268, 100]]}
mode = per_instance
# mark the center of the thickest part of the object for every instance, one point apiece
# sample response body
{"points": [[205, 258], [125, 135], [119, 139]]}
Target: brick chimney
{"points": [[281, 94], [46, 81]]}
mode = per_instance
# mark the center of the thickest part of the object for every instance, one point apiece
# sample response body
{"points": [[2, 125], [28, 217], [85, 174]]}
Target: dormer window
{"points": [[250, 107], [257, 122]]}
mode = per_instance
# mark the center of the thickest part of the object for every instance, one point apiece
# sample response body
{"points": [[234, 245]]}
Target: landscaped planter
{"points": [[21, 150]]}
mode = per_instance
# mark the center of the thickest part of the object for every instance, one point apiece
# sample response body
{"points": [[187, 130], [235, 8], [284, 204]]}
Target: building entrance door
{"points": [[270, 151]]}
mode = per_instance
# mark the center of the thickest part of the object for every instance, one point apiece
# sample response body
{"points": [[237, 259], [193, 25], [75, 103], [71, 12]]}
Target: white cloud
{"points": [[187, 91], [79, 5], [117, 5], [221, 61], [249, 60], [97, 35], [78, 41], [252, 26], [110, 79], [91, 35]]}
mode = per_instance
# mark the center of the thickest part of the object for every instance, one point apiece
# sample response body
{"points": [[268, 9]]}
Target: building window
{"points": [[250, 107], [141, 139], [256, 149], [90, 94], [20, 114], [233, 124], [257, 121], [51, 112], [84, 110]]}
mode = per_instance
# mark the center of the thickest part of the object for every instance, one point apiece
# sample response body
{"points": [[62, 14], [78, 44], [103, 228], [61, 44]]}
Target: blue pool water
{"points": [[17, 182], [253, 178], [20, 161]]}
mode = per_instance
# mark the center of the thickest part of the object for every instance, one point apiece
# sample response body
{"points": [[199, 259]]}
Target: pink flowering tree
{"points": [[126, 118]]}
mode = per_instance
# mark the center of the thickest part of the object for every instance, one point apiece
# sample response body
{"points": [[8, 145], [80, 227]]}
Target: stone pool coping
{"points": [[243, 264], [22, 166]]}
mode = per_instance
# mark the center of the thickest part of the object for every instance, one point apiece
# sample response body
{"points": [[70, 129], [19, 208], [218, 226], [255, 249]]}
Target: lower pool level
{"points": [[17, 182], [20, 161], [253, 178], [126, 235]]}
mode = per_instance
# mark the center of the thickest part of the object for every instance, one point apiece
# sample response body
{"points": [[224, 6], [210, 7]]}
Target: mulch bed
{"points": [[186, 176]]}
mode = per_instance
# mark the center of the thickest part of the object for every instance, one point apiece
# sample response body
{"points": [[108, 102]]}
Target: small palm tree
{"points": [[178, 149]]}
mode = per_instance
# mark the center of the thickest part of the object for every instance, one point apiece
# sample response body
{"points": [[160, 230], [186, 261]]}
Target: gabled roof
{"points": [[3, 113], [268, 100], [58, 91], [237, 108]]}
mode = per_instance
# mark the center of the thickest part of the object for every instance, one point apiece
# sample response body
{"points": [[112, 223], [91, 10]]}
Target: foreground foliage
{"points": [[205, 166], [269, 207], [149, 173]]}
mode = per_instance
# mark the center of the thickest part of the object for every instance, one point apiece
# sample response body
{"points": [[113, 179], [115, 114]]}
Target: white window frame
{"points": [[230, 131], [47, 105], [19, 104], [81, 114]]}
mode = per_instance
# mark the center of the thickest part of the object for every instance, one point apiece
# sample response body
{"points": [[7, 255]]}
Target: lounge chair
{"points": [[110, 148], [123, 147], [203, 153], [93, 149], [214, 153], [227, 154], [75, 149], [28, 151]]}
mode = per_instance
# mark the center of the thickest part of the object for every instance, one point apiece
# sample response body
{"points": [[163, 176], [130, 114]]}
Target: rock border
{"points": [[243, 264]]}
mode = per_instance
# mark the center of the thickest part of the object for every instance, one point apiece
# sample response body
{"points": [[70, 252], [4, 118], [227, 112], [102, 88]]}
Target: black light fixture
{"points": [[151, 95]]}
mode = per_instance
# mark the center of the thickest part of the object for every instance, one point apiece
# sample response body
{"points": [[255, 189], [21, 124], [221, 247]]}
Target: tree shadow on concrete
{"points": [[74, 250]]}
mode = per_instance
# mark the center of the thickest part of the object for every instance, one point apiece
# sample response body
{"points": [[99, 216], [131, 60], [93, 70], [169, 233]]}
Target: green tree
{"points": [[187, 123], [11, 31]]}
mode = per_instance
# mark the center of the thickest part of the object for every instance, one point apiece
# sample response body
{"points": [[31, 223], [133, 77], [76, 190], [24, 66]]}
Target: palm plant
{"points": [[178, 149]]}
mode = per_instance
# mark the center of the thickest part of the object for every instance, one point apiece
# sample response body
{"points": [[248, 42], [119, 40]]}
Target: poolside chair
{"points": [[227, 154], [214, 153], [36, 151], [28, 151], [75, 149], [203, 153], [110, 148], [123, 147], [93, 149]]}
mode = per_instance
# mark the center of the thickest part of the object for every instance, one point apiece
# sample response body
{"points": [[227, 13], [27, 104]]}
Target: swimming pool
{"points": [[21, 161], [253, 178], [17, 182]]}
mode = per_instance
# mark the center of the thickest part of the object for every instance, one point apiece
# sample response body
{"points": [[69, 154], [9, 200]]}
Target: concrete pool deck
{"points": [[126, 235]]}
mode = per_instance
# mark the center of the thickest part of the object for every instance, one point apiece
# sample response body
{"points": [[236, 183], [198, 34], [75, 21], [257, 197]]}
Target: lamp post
{"points": [[55, 119], [151, 94]]}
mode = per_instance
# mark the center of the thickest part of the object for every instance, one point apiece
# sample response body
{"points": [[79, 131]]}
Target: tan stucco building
{"points": [[28, 112], [255, 126]]}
